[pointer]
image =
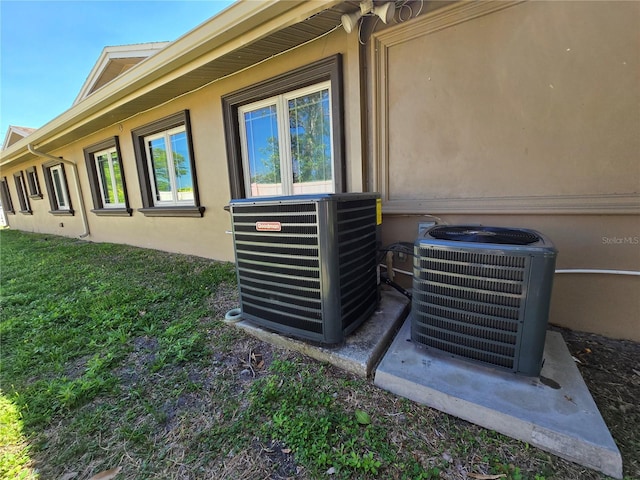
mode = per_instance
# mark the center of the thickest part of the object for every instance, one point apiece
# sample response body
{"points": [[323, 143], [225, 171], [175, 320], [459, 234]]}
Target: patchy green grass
{"points": [[115, 356], [14, 450]]}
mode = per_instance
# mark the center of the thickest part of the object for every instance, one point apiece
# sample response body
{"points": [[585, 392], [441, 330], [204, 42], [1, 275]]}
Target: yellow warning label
{"points": [[378, 211]]}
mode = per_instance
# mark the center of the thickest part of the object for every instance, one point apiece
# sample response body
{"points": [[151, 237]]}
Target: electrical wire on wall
{"points": [[400, 7], [398, 248], [404, 248]]}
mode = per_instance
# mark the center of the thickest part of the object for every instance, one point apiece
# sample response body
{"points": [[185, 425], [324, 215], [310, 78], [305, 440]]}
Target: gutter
{"points": [[74, 167]]}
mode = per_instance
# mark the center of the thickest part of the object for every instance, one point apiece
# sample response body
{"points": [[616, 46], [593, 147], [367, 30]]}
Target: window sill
{"points": [[37, 196], [113, 212], [62, 213], [26, 212], [172, 211]]}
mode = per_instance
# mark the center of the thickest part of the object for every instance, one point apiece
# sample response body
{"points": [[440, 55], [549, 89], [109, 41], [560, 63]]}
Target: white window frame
{"points": [[23, 196], [34, 183], [166, 134], [61, 198], [114, 184], [284, 135], [5, 196]]}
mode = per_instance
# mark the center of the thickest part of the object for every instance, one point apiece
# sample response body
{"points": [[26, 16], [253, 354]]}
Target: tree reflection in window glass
{"points": [[59, 188], [110, 178], [298, 162], [160, 165], [182, 166], [310, 130], [263, 151], [170, 167], [117, 178], [106, 181]]}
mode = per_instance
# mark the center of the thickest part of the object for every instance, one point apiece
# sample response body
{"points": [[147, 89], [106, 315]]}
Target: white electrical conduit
{"points": [[566, 270], [74, 167], [397, 270], [598, 270]]}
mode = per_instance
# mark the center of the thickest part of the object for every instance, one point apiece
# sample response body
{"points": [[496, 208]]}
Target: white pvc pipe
{"points": [[598, 270], [83, 212], [397, 270]]}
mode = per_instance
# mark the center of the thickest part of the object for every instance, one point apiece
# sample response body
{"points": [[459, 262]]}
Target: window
{"points": [[57, 187], [5, 196], [286, 143], [168, 159], [284, 136], [166, 167], [106, 175], [110, 175], [21, 188], [33, 183]]}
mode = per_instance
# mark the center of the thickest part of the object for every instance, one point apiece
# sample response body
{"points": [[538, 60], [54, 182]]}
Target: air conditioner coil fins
{"points": [[483, 294]]}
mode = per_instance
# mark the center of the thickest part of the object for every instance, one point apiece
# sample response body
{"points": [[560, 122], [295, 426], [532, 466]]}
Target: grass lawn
{"points": [[115, 356]]}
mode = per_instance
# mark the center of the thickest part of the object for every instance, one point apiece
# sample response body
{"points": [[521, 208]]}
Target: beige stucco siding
{"points": [[522, 115], [40, 220], [531, 101], [492, 113], [204, 236]]}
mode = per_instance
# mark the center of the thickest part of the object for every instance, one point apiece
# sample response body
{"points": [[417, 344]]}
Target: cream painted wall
{"points": [[204, 236], [41, 221], [522, 104], [522, 115], [607, 164]]}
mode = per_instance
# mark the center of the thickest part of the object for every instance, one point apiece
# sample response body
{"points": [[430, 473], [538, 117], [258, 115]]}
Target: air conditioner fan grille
{"points": [[475, 234]]}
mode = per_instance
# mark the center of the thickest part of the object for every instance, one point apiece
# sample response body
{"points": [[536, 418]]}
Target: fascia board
{"points": [[15, 131], [109, 53], [7, 136], [241, 23]]}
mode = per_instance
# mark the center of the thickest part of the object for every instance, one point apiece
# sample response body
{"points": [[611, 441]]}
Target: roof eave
{"points": [[238, 25], [109, 53]]}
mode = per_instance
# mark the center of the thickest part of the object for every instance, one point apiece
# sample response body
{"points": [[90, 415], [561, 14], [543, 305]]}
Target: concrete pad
{"points": [[361, 350], [558, 416]]}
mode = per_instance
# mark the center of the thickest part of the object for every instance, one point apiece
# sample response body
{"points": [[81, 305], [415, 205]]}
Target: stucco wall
{"points": [[517, 115], [522, 115], [198, 236]]}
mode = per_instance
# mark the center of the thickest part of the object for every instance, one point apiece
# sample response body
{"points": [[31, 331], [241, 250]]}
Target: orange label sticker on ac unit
{"points": [[268, 226]]}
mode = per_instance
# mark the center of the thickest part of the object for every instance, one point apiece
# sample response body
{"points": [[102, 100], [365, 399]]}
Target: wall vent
{"points": [[306, 264], [482, 294]]}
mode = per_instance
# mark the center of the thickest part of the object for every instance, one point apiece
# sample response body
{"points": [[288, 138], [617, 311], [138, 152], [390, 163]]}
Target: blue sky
{"points": [[47, 48]]}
